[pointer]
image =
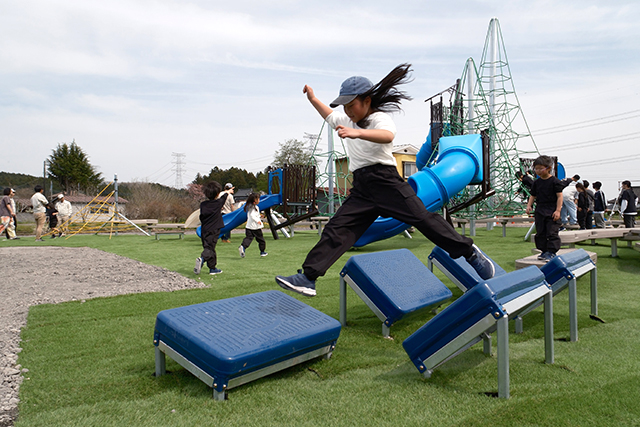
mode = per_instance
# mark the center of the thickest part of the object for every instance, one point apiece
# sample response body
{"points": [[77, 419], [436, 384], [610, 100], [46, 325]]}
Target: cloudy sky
{"points": [[134, 81]]}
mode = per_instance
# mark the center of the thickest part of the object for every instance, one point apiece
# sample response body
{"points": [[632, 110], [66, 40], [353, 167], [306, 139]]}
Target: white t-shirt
{"points": [[253, 219], [365, 153], [39, 203]]}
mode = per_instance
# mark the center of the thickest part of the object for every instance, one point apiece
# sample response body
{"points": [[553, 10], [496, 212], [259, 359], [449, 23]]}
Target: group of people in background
{"points": [[56, 212], [218, 203], [584, 206]]}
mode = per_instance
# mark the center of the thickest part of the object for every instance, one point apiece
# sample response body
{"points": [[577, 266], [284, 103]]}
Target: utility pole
{"points": [[178, 162]]}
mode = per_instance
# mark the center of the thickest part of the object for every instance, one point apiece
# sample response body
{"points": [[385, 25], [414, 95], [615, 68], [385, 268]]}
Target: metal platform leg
{"points": [[343, 302], [573, 310], [385, 330], [503, 357], [548, 328], [519, 325], [594, 291], [430, 264], [486, 344], [614, 248], [161, 363], [219, 395]]}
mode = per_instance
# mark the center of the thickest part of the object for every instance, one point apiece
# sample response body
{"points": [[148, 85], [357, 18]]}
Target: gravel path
{"points": [[32, 275]]}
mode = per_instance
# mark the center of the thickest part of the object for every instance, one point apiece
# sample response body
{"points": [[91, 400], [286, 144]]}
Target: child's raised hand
{"points": [[309, 91]]}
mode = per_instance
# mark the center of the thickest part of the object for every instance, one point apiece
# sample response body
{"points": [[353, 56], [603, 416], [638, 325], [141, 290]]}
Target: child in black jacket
{"points": [[212, 223]]}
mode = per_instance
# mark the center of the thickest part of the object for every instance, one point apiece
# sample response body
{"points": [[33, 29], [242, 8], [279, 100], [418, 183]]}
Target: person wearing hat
{"points": [[378, 189], [64, 213], [229, 206]]}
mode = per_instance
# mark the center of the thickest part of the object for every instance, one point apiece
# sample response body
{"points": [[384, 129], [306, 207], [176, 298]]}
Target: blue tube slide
{"points": [[239, 216], [459, 164]]}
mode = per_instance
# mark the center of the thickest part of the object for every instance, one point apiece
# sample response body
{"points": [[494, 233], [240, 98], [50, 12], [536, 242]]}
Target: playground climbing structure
{"points": [[484, 100]]}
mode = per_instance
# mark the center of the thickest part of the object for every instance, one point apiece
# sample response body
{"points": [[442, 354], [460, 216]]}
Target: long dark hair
{"points": [[252, 200], [384, 95]]}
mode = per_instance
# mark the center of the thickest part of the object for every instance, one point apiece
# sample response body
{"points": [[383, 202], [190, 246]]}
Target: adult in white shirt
{"points": [[39, 204], [569, 208], [64, 213]]}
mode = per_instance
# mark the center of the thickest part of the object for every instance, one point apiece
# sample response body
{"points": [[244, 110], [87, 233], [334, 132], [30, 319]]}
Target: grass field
{"points": [[92, 364]]}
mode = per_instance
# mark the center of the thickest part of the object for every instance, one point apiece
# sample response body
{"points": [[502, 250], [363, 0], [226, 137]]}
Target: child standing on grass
{"points": [[253, 229], [378, 189], [547, 193], [211, 219]]}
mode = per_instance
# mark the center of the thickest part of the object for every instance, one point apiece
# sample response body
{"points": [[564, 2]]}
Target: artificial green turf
{"points": [[92, 363]]}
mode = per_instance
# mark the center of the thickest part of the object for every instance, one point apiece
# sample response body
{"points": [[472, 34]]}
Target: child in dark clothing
{"points": [[212, 223], [547, 193], [583, 205]]}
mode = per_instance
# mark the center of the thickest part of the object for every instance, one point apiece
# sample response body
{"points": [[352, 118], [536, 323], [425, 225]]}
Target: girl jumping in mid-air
{"points": [[378, 189], [254, 226]]}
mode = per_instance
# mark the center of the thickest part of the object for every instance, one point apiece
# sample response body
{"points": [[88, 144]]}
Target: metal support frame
{"points": [[571, 284], [343, 304], [162, 349], [481, 329]]}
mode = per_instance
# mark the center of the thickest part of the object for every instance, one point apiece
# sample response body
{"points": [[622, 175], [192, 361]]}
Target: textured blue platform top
{"points": [[396, 281], [237, 335], [461, 269], [562, 266]]}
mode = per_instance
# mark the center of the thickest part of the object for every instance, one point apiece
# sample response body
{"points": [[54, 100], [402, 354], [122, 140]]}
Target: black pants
{"points": [[209, 241], [582, 219], [547, 238], [379, 191], [250, 235], [629, 221]]}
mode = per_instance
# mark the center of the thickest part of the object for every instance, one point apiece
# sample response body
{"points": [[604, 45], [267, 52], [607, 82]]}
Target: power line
{"points": [[539, 133], [606, 161], [593, 142]]}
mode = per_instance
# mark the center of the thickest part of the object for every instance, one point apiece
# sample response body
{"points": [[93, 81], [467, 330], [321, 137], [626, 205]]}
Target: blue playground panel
{"points": [[483, 309], [561, 273], [393, 284], [230, 342]]}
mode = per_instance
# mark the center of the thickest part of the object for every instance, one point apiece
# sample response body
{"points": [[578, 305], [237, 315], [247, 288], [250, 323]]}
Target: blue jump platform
{"points": [[230, 342], [561, 273], [484, 308], [393, 284]]}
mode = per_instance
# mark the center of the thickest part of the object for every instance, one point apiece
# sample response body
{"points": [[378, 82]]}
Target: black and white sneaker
{"points": [[483, 265], [298, 283], [199, 264]]}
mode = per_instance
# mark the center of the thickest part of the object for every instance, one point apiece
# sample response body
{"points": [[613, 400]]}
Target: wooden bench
{"points": [[462, 222], [319, 221], [570, 238], [145, 223], [159, 229], [506, 220]]}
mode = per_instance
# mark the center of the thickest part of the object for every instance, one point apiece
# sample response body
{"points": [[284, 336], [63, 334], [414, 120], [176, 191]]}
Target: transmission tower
{"points": [[178, 162], [486, 100]]}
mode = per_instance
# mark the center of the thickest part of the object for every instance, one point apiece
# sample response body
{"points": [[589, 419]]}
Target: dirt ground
{"points": [[32, 275]]}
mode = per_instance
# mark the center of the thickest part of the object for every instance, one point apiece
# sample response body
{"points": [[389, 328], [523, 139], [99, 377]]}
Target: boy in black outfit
{"points": [[547, 192], [212, 223], [627, 202]]}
